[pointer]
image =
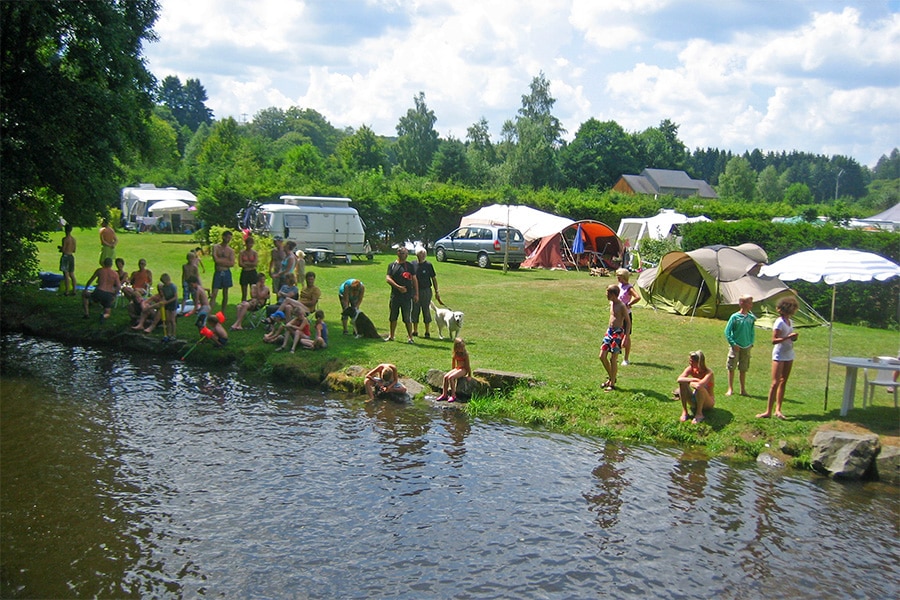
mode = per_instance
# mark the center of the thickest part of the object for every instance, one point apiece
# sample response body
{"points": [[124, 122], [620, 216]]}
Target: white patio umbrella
{"points": [[833, 267], [170, 206]]}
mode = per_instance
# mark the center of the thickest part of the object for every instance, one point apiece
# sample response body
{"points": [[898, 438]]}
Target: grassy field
{"points": [[548, 324]]}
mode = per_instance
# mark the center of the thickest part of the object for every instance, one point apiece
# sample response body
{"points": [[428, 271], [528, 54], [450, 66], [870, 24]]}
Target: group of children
{"points": [[289, 325], [696, 382]]}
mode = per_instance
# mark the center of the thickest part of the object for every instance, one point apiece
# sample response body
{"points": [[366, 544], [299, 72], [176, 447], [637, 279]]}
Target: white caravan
{"points": [[326, 225], [137, 206]]}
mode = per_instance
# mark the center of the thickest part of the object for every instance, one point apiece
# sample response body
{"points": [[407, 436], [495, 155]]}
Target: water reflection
{"points": [[123, 477]]}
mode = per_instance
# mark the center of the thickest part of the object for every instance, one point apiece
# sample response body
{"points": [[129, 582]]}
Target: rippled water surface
{"points": [[127, 477]]}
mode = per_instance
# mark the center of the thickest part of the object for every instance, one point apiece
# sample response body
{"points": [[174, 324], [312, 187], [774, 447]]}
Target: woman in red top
{"points": [[695, 385], [459, 367]]}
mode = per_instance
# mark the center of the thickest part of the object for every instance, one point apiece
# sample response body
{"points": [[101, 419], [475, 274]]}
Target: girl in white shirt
{"points": [[783, 338]]}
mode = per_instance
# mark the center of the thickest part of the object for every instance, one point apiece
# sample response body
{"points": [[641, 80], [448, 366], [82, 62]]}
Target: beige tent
{"points": [[707, 282]]}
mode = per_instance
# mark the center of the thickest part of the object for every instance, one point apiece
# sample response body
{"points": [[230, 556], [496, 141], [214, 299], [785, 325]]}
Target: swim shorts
{"points": [[222, 280], [612, 341], [104, 299]]}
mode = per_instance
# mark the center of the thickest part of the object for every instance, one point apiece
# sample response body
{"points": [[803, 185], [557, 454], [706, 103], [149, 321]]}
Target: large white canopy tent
{"points": [[533, 223]]}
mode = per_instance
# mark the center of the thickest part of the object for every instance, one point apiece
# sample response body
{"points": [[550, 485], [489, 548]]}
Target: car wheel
{"points": [[483, 261], [440, 255]]}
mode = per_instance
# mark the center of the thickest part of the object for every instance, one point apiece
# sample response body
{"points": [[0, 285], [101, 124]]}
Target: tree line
{"points": [[69, 158]]}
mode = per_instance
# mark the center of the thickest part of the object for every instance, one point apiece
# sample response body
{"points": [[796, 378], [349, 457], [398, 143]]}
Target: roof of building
{"points": [[666, 181]]}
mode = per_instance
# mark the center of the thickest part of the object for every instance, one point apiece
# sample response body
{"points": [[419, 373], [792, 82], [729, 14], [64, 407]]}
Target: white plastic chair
{"points": [[883, 377]]}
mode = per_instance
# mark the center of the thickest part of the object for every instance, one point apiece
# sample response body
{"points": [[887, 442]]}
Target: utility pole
{"points": [[837, 182]]}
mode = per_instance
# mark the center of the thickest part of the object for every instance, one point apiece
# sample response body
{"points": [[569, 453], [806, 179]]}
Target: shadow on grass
{"points": [[651, 394], [649, 365], [718, 418]]}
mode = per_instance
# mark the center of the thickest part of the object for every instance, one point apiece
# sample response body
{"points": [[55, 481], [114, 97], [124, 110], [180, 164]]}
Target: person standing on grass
{"points": [[783, 338], [248, 260], [105, 292], [740, 334], [401, 276], [223, 257], [427, 278], [695, 387], [275, 262], [189, 269], [108, 241], [612, 341], [67, 262], [628, 296]]}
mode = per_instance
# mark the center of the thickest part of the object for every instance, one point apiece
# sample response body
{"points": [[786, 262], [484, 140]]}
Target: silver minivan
{"points": [[482, 245]]}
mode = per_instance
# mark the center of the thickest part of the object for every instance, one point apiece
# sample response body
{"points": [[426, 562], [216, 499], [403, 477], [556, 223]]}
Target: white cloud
{"points": [[814, 76]]}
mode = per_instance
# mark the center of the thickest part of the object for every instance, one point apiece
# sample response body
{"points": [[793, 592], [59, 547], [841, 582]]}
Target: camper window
{"points": [[296, 221]]}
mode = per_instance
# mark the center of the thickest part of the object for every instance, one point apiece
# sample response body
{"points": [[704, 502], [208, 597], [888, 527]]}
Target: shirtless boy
{"points": [[223, 256], [67, 261], [108, 241], [615, 333], [105, 292]]}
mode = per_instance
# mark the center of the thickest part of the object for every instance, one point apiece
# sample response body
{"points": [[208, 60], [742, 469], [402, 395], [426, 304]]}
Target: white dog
{"points": [[452, 320]]}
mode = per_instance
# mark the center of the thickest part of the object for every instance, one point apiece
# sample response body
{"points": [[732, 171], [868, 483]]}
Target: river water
{"points": [[128, 476]]}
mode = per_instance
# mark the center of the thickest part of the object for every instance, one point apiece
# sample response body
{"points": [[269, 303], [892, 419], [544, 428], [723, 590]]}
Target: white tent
{"points": [[888, 220], [534, 224], [658, 227]]}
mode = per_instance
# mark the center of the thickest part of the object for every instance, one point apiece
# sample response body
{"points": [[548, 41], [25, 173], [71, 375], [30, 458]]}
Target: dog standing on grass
{"points": [[362, 325], [451, 320]]}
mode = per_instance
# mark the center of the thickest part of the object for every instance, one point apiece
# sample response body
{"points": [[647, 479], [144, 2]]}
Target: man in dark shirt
{"points": [[401, 276]]}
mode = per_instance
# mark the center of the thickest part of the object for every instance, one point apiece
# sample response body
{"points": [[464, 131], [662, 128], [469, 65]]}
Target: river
{"points": [[131, 476]]}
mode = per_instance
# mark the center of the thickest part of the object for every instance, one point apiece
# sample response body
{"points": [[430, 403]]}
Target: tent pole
{"points": [[568, 249], [830, 338], [697, 301]]}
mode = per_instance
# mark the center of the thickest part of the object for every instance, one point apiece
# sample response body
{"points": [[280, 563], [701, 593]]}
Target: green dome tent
{"points": [[707, 282]]}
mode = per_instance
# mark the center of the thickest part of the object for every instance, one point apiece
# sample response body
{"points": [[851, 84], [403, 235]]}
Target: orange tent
{"points": [[602, 247]]}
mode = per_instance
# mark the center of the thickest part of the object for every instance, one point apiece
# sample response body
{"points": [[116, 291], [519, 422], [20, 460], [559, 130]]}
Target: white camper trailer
{"points": [[327, 226], [138, 212]]}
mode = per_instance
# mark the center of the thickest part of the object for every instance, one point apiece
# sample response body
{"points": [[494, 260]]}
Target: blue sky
{"points": [[809, 75]]}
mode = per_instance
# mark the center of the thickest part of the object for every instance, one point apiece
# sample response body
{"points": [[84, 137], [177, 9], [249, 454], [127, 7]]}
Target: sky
{"points": [[809, 75]]}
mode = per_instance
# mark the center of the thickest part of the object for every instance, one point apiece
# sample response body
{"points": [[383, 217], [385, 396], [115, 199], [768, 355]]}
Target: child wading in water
{"points": [[459, 367]]}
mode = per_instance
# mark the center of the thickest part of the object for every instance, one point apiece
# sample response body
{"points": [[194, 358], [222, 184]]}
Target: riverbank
{"points": [[568, 397]]}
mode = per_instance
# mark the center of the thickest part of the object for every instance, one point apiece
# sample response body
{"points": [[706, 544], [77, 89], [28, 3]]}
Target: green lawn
{"points": [[548, 324]]}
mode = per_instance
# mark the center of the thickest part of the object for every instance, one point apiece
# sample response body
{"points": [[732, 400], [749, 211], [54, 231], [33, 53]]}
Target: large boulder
{"points": [[887, 464], [843, 455], [466, 387]]}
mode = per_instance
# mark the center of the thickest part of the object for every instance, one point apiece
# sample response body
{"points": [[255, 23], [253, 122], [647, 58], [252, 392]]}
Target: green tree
{"points": [[187, 102], [599, 155], [315, 127], [888, 167], [738, 183], [768, 185], [537, 137], [302, 164], [362, 151], [450, 162], [159, 161], [481, 151], [418, 141], [271, 123], [798, 194], [660, 148], [75, 97]]}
